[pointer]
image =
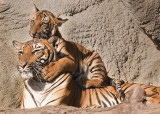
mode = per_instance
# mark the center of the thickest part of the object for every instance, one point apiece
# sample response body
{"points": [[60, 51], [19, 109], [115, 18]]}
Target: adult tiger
{"points": [[86, 66], [34, 56]]}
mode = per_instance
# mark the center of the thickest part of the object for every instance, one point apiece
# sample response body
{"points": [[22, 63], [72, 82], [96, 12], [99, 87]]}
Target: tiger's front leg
{"points": [[54, 69]]}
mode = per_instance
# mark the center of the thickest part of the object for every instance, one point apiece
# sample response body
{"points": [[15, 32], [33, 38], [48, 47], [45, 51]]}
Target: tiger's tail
{"points": [[117, 84]]}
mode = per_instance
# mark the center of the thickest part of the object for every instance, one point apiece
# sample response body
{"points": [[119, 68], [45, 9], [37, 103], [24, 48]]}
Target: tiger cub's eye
{"points": [[20, 52], [32, 21], [36, 51]]}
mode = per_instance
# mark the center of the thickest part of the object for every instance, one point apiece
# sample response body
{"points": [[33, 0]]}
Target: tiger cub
{"points": [[86, 66]]}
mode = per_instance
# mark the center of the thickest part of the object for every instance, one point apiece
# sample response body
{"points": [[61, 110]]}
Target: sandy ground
{"points": [[125, 108]]}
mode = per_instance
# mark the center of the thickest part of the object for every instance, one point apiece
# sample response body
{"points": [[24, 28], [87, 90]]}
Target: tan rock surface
{"points": [[124, 32]]}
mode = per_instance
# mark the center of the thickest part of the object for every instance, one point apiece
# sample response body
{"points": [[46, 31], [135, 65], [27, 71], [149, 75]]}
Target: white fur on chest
{"points": [[37, 94]]}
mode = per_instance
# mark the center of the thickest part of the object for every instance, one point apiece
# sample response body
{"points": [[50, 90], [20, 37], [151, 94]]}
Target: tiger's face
{"points": [[44, 24], [33, 56]]}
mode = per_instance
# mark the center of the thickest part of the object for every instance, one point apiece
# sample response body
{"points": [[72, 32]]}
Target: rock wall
{"points": [[124, 32]]}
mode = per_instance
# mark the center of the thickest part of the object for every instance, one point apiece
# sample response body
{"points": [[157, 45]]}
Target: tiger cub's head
{"points": [[44, 24], [33, 56]]}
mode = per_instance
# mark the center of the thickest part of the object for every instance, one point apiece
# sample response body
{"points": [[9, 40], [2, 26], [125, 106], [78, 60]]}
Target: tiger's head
{"points": [[33, 56], [44, 24]]}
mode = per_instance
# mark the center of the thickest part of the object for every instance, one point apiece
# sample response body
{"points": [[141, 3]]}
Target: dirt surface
{"points": [[122, 109], [124, 32]]}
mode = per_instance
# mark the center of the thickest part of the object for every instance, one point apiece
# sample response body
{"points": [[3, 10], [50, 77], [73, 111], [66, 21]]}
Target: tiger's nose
{"points": [[34, 35], [22, 65]]}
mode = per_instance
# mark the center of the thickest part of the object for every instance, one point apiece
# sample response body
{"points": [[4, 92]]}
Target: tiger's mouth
{"points": [[41, 35], [25, 73], [31, 73]]}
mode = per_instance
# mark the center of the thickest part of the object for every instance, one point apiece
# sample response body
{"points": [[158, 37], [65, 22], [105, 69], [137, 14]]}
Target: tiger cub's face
{"points": [[44, 24], [40, 25], [33, 56]]}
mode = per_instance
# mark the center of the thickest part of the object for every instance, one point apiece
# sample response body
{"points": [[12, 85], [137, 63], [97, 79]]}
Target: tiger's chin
{"points": [[26, 75], [41, 36]]}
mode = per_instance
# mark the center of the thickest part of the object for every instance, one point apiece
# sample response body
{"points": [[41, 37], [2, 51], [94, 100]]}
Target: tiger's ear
{"points": [[59, 21], [36, 9], [16, 44]]}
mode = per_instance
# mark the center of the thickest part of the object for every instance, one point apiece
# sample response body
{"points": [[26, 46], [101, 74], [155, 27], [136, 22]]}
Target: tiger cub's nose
{"points": [[22, 65]]}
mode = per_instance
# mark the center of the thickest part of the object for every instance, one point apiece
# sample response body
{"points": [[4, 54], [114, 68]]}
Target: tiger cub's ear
{"points": [[59, 21], [36, 9], [16, 44]]}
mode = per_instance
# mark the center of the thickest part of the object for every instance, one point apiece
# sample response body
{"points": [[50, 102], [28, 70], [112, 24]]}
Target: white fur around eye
{"points": [[20, 52], [37, 46], [45, 19], [42, 61]]}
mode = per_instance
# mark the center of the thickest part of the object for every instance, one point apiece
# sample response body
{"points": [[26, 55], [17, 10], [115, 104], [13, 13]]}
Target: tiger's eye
{"points": [[32, 21], [43, 23], [20, 52]]}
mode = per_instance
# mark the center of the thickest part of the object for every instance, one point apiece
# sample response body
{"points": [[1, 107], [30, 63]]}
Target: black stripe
{"points": [[123, 85], [107, 92], [30, 94], [58, 84], [104, 104], [69, 58], [97, 97], [99, 74], [47, 60], [59, 90], [23, 104], [98, 70], [147, 86], [115, 98], [113, 103], [97, 66], [128, 86], [54, 100], [60, 50], [92, 60], [49, 90], [59, 43], [90, 100], [106, 98], [95, 77], [55, 83], [154, 90]]}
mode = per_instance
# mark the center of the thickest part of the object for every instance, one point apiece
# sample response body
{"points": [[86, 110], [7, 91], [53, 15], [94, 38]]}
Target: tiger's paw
{"points": [[50, 72]]}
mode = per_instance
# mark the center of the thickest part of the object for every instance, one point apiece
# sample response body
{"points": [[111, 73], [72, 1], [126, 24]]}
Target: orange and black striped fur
{"points": [[33, 56], [152, 93], [86, 66]]}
